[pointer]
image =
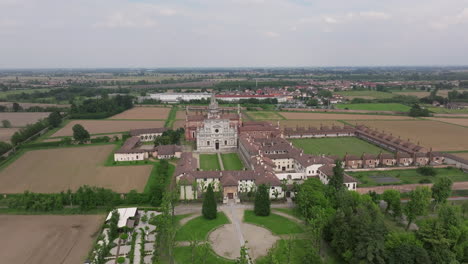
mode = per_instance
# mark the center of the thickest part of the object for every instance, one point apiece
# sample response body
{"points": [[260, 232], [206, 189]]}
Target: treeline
{"points": [[357, 228], [252, 84], [170, 137], [28, 131], [101, 107]]}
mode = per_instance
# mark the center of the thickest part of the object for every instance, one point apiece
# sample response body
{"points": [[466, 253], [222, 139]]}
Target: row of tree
{"points": [[170, 137], [101, 107]]}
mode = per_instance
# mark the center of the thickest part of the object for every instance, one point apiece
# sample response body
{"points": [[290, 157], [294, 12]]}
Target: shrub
{"points": [[426, 171], [121, 260], [209, 209], [425, 181], [262, 201], [124, 236]]}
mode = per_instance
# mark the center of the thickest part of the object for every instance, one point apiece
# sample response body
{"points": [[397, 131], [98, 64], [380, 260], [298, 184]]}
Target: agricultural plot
{"points": [[419, 94], [106, 126], [306, 123], [231, 161], [327, 116], [44, 239], [365, 94], [56, 170], [179, 124], [462, 155], [29, 105], [6, 133], [455, 121], [375, 107], [21, 119], [181, 115], [336, 146], [156, 113], [431, 134], [28, 91], [209, 162], [264, 115]]}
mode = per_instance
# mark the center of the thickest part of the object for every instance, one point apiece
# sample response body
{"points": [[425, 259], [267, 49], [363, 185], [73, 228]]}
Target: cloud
{"points": [[447, 21], [272, 34]]}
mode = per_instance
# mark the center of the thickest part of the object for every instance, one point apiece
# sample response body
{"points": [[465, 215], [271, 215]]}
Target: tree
{"points": [[6, 123], [113, 227], [416, 111], [311, 194], [441, 190], [262, 201], [337, 179], [209, 209], [312, 102], [55, 118], [325, 93], [80, 134], [405, 248], [16, 107], [392, 198], [244, 257], [420, 199]]}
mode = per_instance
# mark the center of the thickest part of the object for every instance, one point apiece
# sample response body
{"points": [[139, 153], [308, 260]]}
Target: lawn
{"points": [[336, 146], [280, 252], [209, 162], [265, 115], [290, 211], [277, 224], [366, 94], [183, 255], [395, 177], [231, 161], [199, 227], [375, 107], [441, 110]]}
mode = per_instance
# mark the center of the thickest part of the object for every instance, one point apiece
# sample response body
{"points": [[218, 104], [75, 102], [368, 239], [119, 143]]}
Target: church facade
{"points": [[216, 134]]}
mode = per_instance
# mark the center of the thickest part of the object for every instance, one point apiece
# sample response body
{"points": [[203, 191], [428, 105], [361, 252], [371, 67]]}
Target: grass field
{"points": [[183, 255], [209, 162], [376, 107], [405, 176], [264, 115], [441, 110], [157, 113], [43, 239], [366, 94], [280, 252], [106, 126], [277, 224], [27, 91], [336, 146], [231, 161], [59, 169], [440, 136], [332, 116], [199, 227], [306, 123]]}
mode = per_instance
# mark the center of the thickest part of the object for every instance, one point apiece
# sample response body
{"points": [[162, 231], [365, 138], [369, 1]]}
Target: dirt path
{"points": [[183, 221], [290, 217]]}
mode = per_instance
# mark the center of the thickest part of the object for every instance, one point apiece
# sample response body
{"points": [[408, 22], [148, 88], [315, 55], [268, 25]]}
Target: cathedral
{"points": [[217, 132]]}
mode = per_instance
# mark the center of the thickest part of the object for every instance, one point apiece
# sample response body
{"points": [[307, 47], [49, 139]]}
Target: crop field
{"points": [[181, 115], [462, 155], [28, 91], [56, 170], [419, 94], [106, 126], [157, 113], [179, 124], [336, 146], [327, 116], [456, 121], [209, 162], [6, 133], [264, 115], [231, 161], [365, 94], [306, 123], [375, 107], [43, 239], [29, 105], [441, 110], [440, 136], [22, 119]]}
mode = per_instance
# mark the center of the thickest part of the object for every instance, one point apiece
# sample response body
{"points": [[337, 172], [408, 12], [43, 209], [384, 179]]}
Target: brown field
{"points": [[181, 115], [420, 94], [325, 116], [179, 124], [106, 126], [23, 118], [456, 121], [44, 239], [159, 113], [439, 136], [6, 133], [306, 123], [56, 170], [462, 155], [28, 105]]}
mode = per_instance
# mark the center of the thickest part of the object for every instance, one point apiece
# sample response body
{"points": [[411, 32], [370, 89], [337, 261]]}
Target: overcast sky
{"points": [[224, 33]]}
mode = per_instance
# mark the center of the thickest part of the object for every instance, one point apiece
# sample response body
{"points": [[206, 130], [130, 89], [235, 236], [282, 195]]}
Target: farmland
{"points": [[456, 121], [43, 239], [29, 105], [440, 136], [462, 155], [375, 107], [306, 123], [6, 133], [209, 162], [326, 116], [419, 94], [336, 146], [366, 94], [156, 113], [21, 119], [106, 126], [181, 115], [56, 170], [264, 115], [231, 161]]}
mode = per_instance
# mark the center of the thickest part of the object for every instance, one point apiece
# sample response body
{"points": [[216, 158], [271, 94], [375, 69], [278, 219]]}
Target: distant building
{"points": [[147, 134], [177, 97]]}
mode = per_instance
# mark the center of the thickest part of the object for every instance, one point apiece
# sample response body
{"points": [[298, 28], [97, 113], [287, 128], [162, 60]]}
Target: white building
{"points": [[177, 97], [147, 134]]}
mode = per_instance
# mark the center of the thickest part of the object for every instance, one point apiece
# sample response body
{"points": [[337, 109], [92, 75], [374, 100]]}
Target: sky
{"points": [[232, 33]]}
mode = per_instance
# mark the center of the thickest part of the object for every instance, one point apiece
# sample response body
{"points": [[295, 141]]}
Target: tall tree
{"points": [[336, 181], [420, 199], [262, 201], [392, 198], [55, 118], [209, 209], [441, 190], [80, 134], [16, 107], [6, 123]]}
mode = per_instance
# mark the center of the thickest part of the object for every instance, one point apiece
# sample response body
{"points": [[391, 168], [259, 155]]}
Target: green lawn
{"points": [[277, 224], [209, 162], [231, 161], [290, 211], [441, 110], [183, 255], [406, 176], [199, 227], [376, 107], [279, 252], [265, 115], [336, 146], [27, 91], [365, 94]]}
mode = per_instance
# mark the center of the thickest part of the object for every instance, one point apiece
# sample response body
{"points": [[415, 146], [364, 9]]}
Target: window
{"points": [[225, 142], [208, 143], [216, 130]]}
